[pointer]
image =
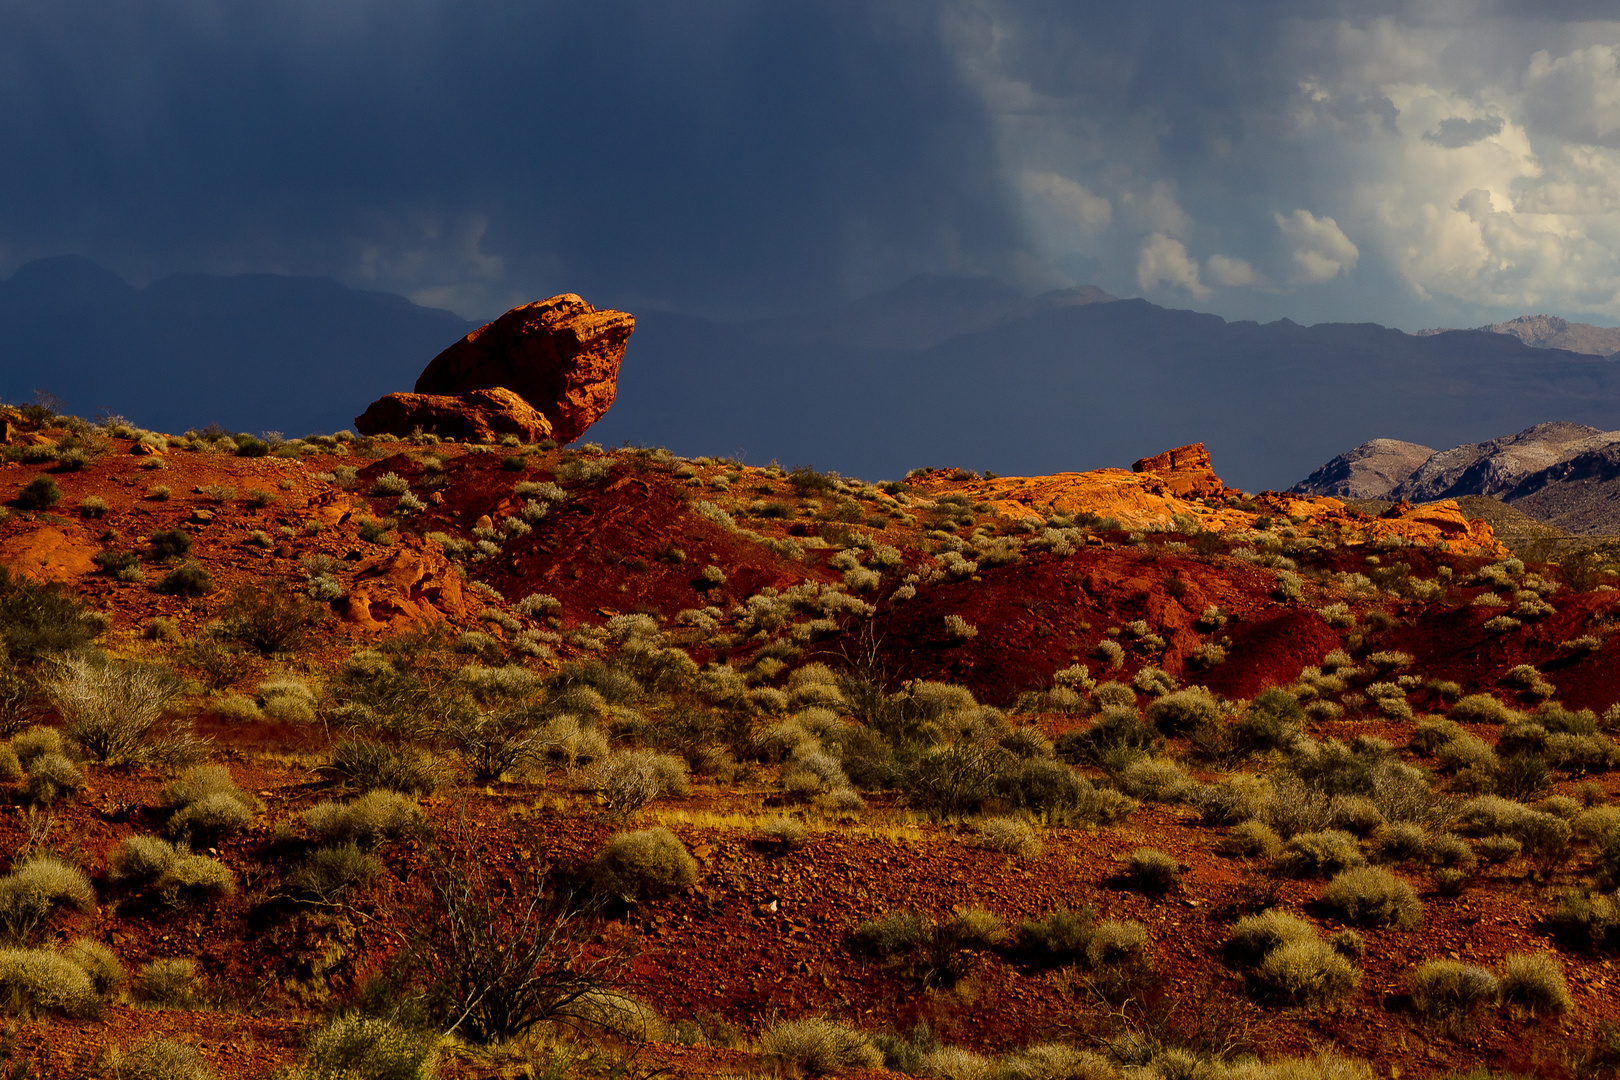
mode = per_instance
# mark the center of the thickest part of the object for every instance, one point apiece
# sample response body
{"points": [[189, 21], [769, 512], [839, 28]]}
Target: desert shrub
{"points": [[363, 766], [1118, 730], [1254, 936], [37, 981], [1271, 721], [628, 780], [1152, 871], [50, 776], [818, 1045], [1446, 849], [98, 962], [207, 804], [891, 934], [376, 816], [1448, 989], [271, 618], [192, 879], [1481, 709], [1498, 849], [1252, 839], [1303, 974], [1153, 681], [140, 859], [1048, 788], [40, 493], [789, 833], [38, 619], [331, 870], [1326, 852], [162, 1059], [954, 779], [170, 983], [34, 890], [1063, 938], [1013, 836], [1181, 711], [187, 579], [1155, 780], [1355, 814], [1349, 944], [1535, 981], [355, 1047], [1369, 896], [640, 864], [112, 709]]}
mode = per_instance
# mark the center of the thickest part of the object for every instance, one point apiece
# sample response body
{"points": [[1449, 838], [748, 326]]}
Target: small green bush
{"points": [[640, 864], [187, 579], [1369, 896], [36, 888], [98, 962], [1303, 973], [40, 493], [1182, 711], [1535, 981], [376, 816], [1153, 871], [1326, 852], [170, 544], [331, 870], [1254, 936], [819, 1045], [170, 984], [1449, 989], [162, 1059], [271, 618], [50, 776], [364, 765], [37, 981], [193, 879], [207, 804]]}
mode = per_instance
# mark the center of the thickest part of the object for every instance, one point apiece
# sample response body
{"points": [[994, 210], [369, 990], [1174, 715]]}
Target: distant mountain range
{"points": [[1551, 332], [936, 371], [1561, 474], [251, 352]]}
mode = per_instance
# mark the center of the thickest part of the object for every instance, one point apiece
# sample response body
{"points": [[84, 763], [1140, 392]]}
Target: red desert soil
{"points": [[765, 933]]}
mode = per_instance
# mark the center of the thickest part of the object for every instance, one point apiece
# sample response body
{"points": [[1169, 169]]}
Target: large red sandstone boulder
{"points": [[478, 416], [560, 355], [1186, 469]]}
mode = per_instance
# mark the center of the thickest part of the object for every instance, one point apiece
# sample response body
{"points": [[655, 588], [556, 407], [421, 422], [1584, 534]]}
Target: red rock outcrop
{"points": [[1186, 469], [560, 355], [481, 415]]}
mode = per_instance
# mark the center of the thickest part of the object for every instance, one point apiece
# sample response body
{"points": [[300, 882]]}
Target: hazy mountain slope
{"points": [[251, 352], [1496, 465], [921, 312], [1552, 332], [1370, 471], [1580, 494], [1089, 386]]}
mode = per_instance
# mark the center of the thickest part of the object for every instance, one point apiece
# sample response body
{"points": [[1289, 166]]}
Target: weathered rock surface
{"points": [[1186, 469], [404, 589], [1148, 498], [1497, 465], [561, 355], [480, 415], [1370, 471], [1551, 332]]}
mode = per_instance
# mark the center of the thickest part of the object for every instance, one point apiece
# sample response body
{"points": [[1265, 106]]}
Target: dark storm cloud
{"points": [[748, 154], [1454, 132]]}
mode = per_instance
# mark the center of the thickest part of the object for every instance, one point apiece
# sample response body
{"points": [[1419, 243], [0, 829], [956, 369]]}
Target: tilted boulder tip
{"points": [[560, 356], [1186, 469]]}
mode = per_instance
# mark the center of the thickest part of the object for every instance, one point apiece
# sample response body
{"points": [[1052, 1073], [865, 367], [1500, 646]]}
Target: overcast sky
{"points": [[1416, 164]]}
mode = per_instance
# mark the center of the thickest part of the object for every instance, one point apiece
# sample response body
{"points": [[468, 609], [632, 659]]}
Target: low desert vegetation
{"points": [[491, 842]]}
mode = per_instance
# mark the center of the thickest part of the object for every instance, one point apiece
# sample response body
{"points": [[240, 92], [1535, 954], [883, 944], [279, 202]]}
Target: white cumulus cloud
{"points": [[1164, 260], [1318, 248]]}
